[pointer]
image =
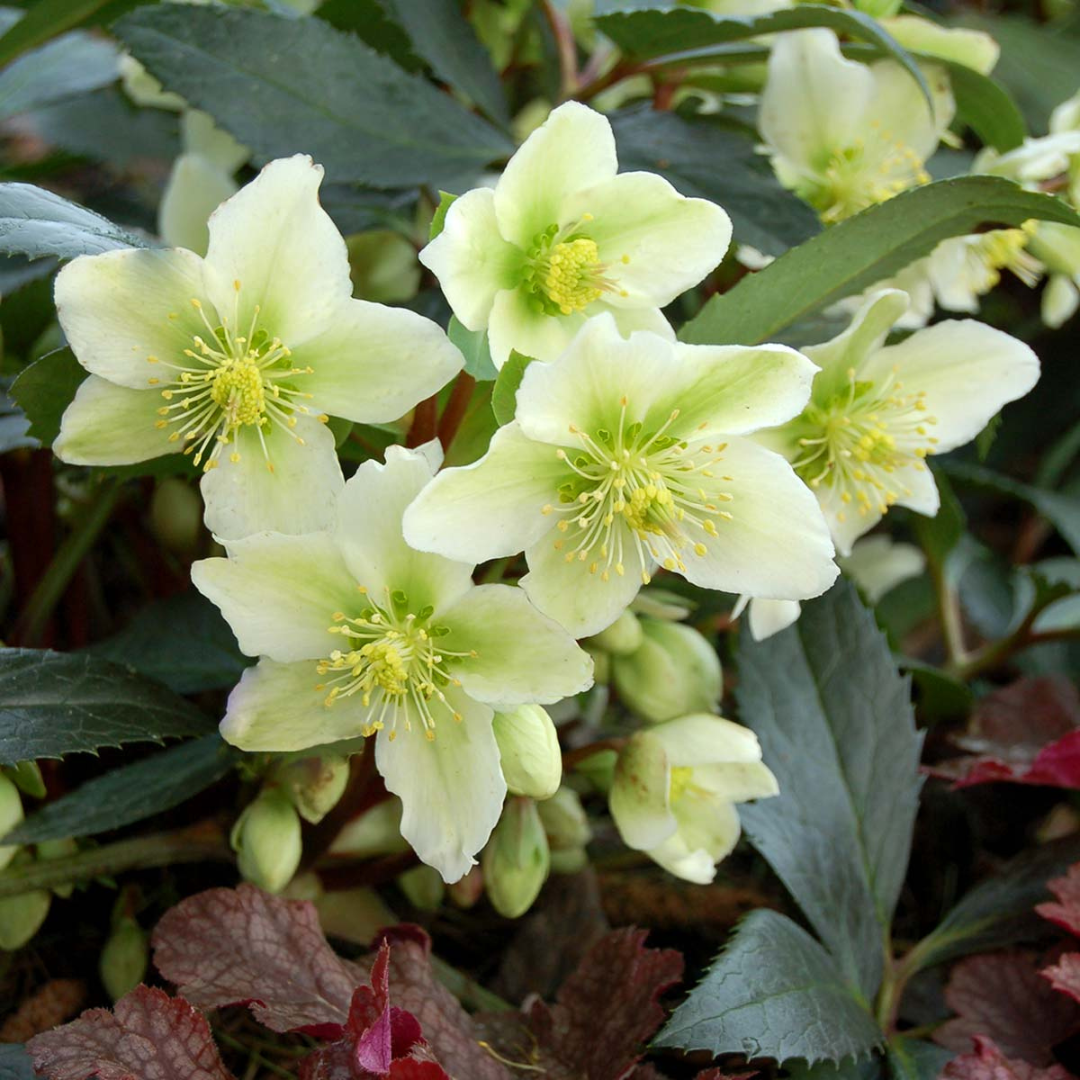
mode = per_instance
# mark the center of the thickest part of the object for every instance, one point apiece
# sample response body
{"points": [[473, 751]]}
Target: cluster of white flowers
{"points": [[742, 469]]}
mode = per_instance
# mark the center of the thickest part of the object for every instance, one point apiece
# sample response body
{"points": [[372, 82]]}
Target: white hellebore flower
{"points": [[239, 359], [878, 411], [630, 454], [876, 564], [357, 633], [675, 790], [844, 135], [561, 237]]}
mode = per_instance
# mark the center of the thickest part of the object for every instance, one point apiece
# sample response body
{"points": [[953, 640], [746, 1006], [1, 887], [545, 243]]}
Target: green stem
{"points": [[73, 550], [468, 991], [948, 603], [200, 843]]}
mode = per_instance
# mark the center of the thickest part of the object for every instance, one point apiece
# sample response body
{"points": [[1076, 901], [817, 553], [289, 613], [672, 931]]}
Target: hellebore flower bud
{"points": [[11, 813], [266, 838], [123, 960], [529, 751], [26, 776], [314, 784], [564, 820], [423, 887], [21, 916], [621, 637], [674, 672], [516, 860]]}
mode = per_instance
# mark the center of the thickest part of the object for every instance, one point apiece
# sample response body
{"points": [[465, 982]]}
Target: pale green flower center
{"points": [[1004, 249], [860, 443], [563, 272], [225, 382], [870, 171], [637, 488], [682, 777], [393, 664]]}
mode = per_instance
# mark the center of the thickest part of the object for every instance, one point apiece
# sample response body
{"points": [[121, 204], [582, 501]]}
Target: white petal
{"points": [[115, 309], [471, 259], [275, 239], [521, 656], [279, 593], [111, 425], [1060, 300], [368, 531], [815, 100], [846, 523], [515, 326], [708, 831], [921, 494], [704, 739], [655, 242], [776, 544], [878, 564], [374, 363], [491, 508], [451, 789], [737, 782], [245, 497], [196, 188], [567, 592], [200, 135], [968, 371], [639, 798], [630, 319], [573, 149], [901, 111], [276, 708], [768, 617]]}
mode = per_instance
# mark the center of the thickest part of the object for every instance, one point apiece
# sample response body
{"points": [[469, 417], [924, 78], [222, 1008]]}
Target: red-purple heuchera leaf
{"points": [[1003, 997], [379, 1039], [245, 946], [1065, 975], [987, 1062], [1026, 733], [1066, 912], [603, 1013], [147, 1036]]}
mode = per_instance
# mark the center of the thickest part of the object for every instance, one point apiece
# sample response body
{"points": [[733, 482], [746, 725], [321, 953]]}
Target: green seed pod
{"points": [[529, 751], [27, 778], [516, 860]]}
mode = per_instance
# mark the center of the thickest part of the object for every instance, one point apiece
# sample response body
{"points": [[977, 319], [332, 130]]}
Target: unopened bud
{"points": [[27, 777], [621, 637], [58, 849], [465, 892], [564, 820], [11, 813], [176, 515], [315, 784], [21, 916], [599, 769], [266, 839], [529, 751], [516, 860], [375, 832], [675, 672], [570, 861], [423, 887], [123, 960]]}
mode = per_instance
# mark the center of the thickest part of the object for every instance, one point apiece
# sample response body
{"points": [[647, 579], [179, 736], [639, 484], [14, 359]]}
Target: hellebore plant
{"points": [[562, 237], [358, 634], [877, 412], [844, 135], [241, 358], [676, 786], [626, 455]]}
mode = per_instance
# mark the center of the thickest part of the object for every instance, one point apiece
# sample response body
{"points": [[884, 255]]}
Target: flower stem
{"points": [[456, 408], [424, 422]]}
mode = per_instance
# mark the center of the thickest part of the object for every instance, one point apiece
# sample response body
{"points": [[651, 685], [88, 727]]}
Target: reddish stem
{"points": [[456, 408], [424, 422]]}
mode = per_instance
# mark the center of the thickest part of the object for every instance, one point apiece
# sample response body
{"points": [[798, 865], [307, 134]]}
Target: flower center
{"points": [[681, 779], [1004, 249], [563, 271], [393, 663], [870, 171], [632, 487], [228, 381], [858, 442]]}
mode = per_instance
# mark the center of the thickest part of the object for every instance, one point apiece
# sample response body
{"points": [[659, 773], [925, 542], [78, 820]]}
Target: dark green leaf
{"points": [[1061, 510], [706, 161], [835, 722], [650, 32], [298, 85], [69, 66], [863, 250], [36, 222], [940, 696], [773, 992], [131, 793], [53, 704], [474, 347], [504, 393], [14, 427], [1000, 911], [15, 1063], [49, 18], [446, 200], [45, 389], [916, 1059], [371, 22], [209, 659]]}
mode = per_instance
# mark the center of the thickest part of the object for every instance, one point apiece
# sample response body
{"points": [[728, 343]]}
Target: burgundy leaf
{"points": [[603, 1013], [1066, 912], [987, 1062], [1065, 975], [147, 1036], [1003, 997], [1025, 733], [414, 1069], [245, 946]]}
